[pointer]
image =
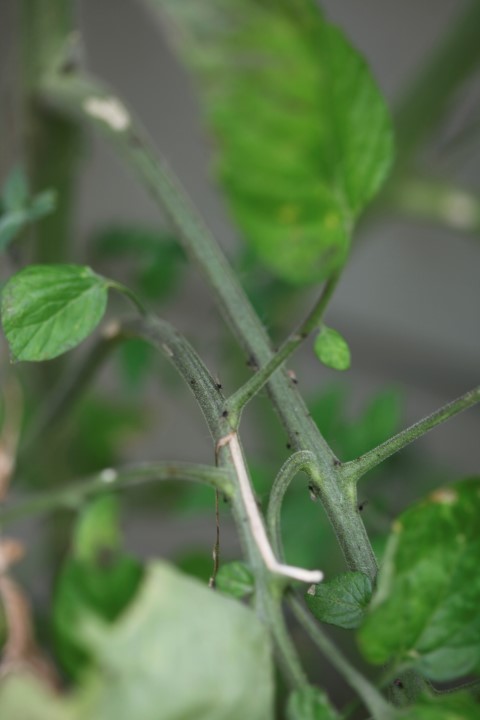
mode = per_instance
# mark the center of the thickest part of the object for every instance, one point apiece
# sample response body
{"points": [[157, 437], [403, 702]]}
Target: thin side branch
{"points": [[242, 396], [110, 479], [302, 460], [352, 471]]}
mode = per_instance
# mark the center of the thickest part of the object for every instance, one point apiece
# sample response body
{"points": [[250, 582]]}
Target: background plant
{"points": [[315, 149]]}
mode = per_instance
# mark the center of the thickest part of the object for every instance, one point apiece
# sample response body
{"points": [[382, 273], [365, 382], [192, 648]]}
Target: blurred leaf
{"points": [[379, 421], [101, 428], [235, 579], [182, 651], [22, 697], [42, 204], [158, 257], [332, 349], [98, 579], [136, 360], [97, 528], [15, 191], [341, 601], [310, 704], [49, 309], [451, 706], [424, 613], [304, 137], [18, 209]]}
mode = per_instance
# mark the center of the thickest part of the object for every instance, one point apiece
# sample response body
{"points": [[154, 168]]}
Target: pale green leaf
{"points": [[304, 139], [332, 349], [184, 651], [424, 613], [48, 309], [341, 601]]}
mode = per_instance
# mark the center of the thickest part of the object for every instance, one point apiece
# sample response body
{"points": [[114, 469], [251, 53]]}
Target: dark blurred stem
{"points": [[51, 138], [424, 104], [71, 387]]}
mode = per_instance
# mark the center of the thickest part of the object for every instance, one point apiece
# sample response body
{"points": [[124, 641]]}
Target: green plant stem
{"points": [[110, 480], [352, 471], [374, 701], [93, 102], [424, 104], [52, 140], [248, 520], [241, 397], [132, 296], [428, 199], [301, 460]]}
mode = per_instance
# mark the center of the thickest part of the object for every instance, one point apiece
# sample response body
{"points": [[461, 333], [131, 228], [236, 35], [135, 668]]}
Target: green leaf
{"points": [[235, 579], [341, 601], [451, 706], [304, 139], [310, 704], [48, 309], [136, 360], [332, 349], [180, 647], [98, 529], [157, 257], [98, 580], [424, 613]]}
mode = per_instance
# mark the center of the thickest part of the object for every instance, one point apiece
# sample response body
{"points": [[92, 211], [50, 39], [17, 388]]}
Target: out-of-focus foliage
{"points": [[304, 137]]}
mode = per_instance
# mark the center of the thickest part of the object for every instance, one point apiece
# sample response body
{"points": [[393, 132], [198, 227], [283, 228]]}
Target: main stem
{"points": [[92, 101]]}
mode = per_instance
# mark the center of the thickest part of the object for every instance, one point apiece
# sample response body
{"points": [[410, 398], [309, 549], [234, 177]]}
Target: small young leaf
{"points": [[341, 601], [310, 704], [424, 613], [235, 579], [48, 309], [332, 349]]}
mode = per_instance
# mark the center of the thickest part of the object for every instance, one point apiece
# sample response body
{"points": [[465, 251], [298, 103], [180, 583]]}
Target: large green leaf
{"points": [[341, 601], [183, 651], [425, 612], [304, 137], [48, 309]]}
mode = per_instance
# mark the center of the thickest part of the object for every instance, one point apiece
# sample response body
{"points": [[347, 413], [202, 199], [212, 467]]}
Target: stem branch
{"points": [[354, 469]]}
